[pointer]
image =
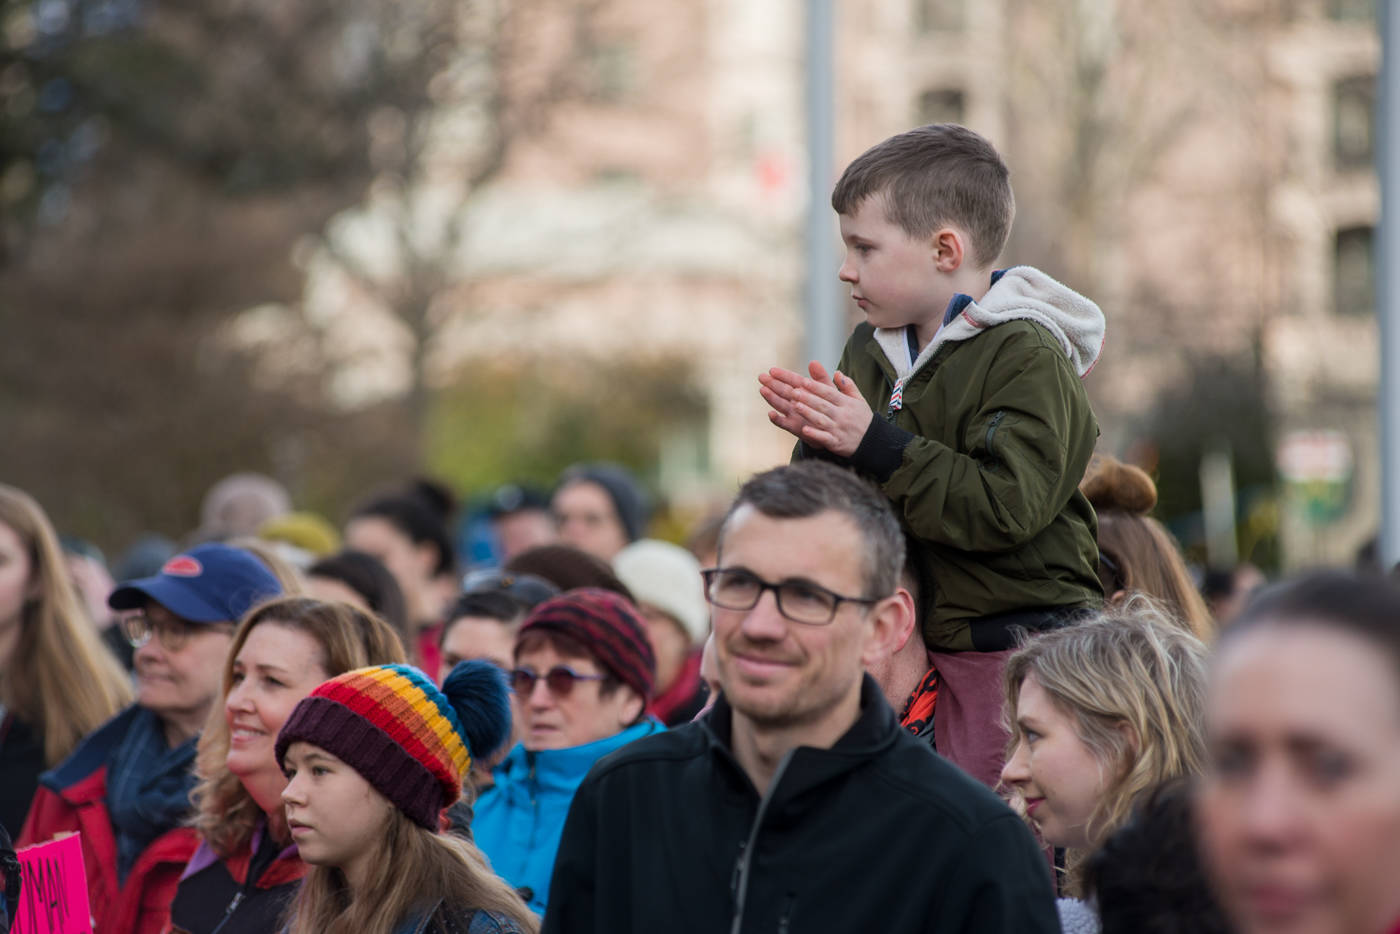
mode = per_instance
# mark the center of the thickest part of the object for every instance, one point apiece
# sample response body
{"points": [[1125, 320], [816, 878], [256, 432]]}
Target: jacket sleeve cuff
{"points": [[881, 450], [806, 451]]}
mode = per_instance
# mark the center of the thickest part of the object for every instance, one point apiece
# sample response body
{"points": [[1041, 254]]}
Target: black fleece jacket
{"points": [[876, 833]]}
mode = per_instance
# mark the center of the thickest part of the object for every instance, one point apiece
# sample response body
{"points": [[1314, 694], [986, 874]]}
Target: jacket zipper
{"points": [[534, 800], [788, 904], [741, 868], [228, 912], [992, 428]]}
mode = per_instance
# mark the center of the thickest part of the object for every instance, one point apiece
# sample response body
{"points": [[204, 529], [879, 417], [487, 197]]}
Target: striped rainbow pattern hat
{"points": [[391, 724]]}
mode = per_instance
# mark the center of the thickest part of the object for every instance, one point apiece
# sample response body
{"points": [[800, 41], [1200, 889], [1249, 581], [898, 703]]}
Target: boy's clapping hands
{"points": [[823, 410]]}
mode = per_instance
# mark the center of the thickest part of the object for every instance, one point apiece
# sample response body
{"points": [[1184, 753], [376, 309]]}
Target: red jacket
{"points": [[142, 905]]}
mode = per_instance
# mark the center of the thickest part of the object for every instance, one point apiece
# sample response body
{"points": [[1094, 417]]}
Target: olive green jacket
{"points": [[982, 458]]}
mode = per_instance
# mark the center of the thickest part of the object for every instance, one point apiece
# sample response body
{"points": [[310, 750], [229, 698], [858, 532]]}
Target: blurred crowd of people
{"points": [[1183, 761]]}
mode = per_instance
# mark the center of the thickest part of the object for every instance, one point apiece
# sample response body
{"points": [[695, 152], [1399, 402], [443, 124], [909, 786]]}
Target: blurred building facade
{"points": [[1202, 170]]}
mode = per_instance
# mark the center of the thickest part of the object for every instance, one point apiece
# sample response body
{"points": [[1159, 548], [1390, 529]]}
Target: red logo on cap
{"points": [[182, 566]]}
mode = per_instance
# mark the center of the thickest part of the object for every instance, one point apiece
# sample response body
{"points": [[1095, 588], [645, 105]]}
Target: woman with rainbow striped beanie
{"points": [[372, 758]]}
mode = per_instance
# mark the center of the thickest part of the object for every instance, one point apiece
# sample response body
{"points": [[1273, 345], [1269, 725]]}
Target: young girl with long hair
{"points": [[245, 872], [58, 682], [1100, 714], [372, 758]]}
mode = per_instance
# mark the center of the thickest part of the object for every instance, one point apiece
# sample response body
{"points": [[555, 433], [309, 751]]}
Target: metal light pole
{"points": [[825, 335], [1387, 267]]}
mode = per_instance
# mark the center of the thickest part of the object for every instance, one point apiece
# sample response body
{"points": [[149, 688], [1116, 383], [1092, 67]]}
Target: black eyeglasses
{"points": [[559, 680], [523, 588], [798, 600]]}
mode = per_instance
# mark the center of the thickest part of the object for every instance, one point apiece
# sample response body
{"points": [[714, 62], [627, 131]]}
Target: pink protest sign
{"points": [[54, 897]]}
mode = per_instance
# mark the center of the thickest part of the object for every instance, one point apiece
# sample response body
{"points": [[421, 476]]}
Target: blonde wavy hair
{"points": [[225, 813], [61, 679], [1133, 683], [414, 867]]}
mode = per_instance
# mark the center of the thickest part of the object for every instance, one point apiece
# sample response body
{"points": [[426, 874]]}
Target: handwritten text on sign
{"points": [[54, 897]]}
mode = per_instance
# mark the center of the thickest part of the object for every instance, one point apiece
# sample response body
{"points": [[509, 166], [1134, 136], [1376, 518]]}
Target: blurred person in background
{"points": [[703, 542], [407, 532], [238, 505], [300, 538], [243, 876], [481, 626], [666, 584], [521, 519], [1136, 552], [87, 567], [1299, 807], [1100, 714], [287, 573], [1227, 590], [584, 674], [361, 580], [482, 622], [600, 508], [567, 568], [58, 682], [126, 786], [1147, 877]]}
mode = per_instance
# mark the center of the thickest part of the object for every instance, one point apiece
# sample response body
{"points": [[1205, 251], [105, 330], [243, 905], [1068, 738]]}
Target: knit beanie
{"points": [[605, 624], [410, 741], [667, 577], [627, 497]]}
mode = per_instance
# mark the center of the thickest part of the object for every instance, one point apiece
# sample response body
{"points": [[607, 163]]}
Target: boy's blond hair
{"points": [[934, 176]]}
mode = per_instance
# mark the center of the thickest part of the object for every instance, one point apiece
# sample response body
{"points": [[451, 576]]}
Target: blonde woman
{"points": [[58, 682], [1100, 714], [246, 871]]}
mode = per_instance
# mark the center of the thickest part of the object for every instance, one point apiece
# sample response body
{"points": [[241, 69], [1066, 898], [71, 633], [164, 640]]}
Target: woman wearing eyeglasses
{"points": [[57, 681], [584, 672]]}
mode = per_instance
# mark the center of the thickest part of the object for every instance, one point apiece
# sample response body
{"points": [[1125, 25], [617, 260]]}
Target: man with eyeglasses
{"points": [[126, 787], [797, 804], [584, 672]]}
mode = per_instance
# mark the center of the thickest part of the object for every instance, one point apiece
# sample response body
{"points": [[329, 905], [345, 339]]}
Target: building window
{"points": [[1354, 121], [1354, 271], [940, 15], [614, 70], [1352, 11], [946, 105]]}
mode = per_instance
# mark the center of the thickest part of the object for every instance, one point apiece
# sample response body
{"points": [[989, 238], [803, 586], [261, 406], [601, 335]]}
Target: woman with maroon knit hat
{"points": [[583, 677]]}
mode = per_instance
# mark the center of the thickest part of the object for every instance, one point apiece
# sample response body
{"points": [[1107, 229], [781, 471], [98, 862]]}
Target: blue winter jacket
{"points": [[519, 822]]}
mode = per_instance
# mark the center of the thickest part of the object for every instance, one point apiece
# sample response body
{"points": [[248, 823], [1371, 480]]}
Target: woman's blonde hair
{"points": [[1133, 683], [225, 814], [1136, 552], [61, 679], [413, 869]]}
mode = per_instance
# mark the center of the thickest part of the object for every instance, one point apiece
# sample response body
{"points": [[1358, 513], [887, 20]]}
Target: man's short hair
{"points": [[933, 176], [808, 488]]}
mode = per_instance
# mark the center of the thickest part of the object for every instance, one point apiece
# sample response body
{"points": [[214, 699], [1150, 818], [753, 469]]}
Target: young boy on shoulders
{"points": [[960, 395]]}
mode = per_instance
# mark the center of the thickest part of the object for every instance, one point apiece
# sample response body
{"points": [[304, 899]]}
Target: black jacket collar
{"points": [[874, 731]]}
